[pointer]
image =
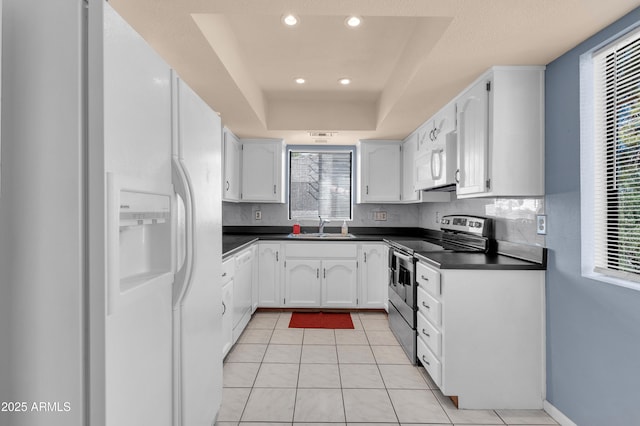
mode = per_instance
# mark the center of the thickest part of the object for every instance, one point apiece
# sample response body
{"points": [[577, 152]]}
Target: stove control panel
{"points": [[476, 225]]}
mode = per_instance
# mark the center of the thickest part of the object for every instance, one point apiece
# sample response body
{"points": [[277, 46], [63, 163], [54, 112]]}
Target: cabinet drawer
{"points": [[321, 250], [430, 334], [228, 268], [430, 362], [430, 307], [428, 279]]}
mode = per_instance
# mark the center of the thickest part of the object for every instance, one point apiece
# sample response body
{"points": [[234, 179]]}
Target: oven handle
{"points": [[403, 256]]}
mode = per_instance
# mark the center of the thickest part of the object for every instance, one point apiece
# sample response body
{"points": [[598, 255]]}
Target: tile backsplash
{"points": [[515, 218], [239, 214]]}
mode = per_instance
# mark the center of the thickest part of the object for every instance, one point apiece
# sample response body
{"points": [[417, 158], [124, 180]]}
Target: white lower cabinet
{"points": [[227, 319], [321, 275], [339, 283], [481, 335], [268, 277], [228, 270], [242, 283], [374, 276], [302, 283]]}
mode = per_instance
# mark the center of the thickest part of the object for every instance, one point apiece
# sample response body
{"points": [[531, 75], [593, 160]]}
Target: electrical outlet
{"points": [[258, 215], [541, 224], [437, 217], [380, 216]]}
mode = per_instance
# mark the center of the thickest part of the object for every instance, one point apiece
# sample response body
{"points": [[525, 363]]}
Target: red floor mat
{"points": [[320, 320]]}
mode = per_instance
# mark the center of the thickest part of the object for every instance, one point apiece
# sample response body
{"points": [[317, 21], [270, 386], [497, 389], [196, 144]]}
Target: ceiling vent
{"points": [[321, 134]]}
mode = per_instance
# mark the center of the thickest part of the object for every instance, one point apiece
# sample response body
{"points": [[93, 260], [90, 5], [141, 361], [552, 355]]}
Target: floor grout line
{"points": [[341, 384]]}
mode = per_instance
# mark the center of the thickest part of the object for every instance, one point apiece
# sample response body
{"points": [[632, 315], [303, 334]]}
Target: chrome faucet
{"points": [[323, 222]]}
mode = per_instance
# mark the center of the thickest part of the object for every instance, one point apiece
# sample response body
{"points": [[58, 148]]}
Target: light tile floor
{"points": [[280, 376]]}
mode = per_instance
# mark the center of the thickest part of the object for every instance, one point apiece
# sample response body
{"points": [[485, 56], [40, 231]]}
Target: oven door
{"points": [[400, 327]]}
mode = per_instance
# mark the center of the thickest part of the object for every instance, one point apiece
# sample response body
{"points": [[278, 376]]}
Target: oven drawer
{"points": [[430, 362], [428, 279], [430, 307], [429, 334]]}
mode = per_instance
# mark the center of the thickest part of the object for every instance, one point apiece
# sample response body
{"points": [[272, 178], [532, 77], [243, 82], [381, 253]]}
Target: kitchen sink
{"points": [[322, 236]]}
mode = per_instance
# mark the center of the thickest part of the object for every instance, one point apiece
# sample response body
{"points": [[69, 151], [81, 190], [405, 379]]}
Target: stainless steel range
{"points": [[459, 233]]}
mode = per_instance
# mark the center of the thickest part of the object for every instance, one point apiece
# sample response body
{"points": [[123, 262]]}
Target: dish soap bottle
{"points": [[345, 229]]}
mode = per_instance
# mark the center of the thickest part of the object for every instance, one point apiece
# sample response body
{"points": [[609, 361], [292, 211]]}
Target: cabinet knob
{"points": [[424, 278], [224, 274], [367, 189], [425, 333], [458, 176], [274, 189], [224, 308], [425, 305], [228, 185], [425, 360]]}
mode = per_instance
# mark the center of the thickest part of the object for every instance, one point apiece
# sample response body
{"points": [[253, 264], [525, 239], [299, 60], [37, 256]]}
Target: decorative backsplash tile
{"points": [[515, 218]]}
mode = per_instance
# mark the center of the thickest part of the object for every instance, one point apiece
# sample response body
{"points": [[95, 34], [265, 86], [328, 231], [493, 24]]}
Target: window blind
{"points": [[320, 185], [617, 159]]}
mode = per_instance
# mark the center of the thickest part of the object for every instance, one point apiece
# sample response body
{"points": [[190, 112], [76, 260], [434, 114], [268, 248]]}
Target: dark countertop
{"points": [[448, 260], [236, 239]]}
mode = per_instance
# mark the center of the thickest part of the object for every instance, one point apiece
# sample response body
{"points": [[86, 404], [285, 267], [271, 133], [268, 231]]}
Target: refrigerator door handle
{"points": [[182, 185]]}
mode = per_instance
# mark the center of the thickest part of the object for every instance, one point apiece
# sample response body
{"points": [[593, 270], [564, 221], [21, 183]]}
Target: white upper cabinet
{"points": [[231, 179], [436, 129], [473, 108], [262, 170], [409, 152], [379, 166], [436, 162], [501, 134]]}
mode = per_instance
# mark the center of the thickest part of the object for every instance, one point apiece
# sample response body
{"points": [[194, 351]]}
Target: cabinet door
{"points": [[262, 170], [444, 122], [380, 172], [269, 276], [242, 290], [374, 278], [231, 181], [254, 278], [339, 283], [302, 283], [473, 133], [409, 152], [227, 317]]}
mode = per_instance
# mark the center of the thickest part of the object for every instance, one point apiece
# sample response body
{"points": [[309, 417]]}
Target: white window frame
{"points": [[587, 165], [331, 149]]}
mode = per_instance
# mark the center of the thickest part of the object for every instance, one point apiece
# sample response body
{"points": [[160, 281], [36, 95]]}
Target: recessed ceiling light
{"points": [[353, 21], [345, 81], [290, 20], [300, 80]]}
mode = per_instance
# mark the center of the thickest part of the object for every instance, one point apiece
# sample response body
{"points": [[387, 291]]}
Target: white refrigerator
{"points": [[110, 226]]}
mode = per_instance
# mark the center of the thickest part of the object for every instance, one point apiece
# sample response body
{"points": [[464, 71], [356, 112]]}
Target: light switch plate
{"points": [[541, 224], [258, 215]]}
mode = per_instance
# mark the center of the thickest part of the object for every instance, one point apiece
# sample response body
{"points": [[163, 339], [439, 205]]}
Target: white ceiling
{"points": [[406, 61]]}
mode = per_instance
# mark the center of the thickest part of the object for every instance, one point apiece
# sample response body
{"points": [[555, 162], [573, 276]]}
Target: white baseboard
{"points": [[557, 415]]}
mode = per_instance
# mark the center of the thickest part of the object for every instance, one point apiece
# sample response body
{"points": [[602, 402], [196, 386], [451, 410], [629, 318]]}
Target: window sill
{"points": [[611, 280]]}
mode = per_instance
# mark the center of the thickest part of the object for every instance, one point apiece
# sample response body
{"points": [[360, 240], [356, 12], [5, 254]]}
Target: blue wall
{"points": [[593, 328]]}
